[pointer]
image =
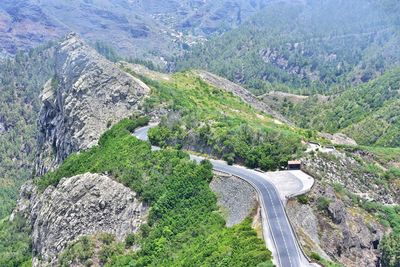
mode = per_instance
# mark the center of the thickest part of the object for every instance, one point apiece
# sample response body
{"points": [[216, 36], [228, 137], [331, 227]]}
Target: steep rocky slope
{"points": [[329, 225], [81, 205], [354, 173], [352, 207], [86, 95]]}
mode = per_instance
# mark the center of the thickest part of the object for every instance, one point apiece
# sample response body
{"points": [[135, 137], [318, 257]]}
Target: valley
{"points": [[141, 133]]}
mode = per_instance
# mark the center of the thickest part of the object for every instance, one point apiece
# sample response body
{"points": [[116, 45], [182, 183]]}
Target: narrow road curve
{"points": [[288, 253]]}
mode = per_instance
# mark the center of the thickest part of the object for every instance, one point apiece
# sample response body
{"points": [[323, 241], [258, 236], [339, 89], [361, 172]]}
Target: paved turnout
{"points": [[287, 252]]}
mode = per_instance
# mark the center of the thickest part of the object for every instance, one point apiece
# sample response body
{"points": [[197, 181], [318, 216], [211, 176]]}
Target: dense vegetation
{"points": [[307, 46], [109, 53], [21, 80], [209, 120], [368, 113], [184, 227], [390, 244], [15, 243]]}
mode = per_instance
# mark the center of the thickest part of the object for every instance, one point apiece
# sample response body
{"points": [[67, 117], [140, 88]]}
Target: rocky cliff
{"points": [[328, 225], [86, 95], [78, 206]]}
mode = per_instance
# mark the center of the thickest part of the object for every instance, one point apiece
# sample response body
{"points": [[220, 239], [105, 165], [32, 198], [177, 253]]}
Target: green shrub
{"points": [[390, 247], [303, 199], [315, 256], [392, 174], [323, 203], [80, 251], [338, 188], [106, 238], [229, 158], [130, 240], [15, 240]]}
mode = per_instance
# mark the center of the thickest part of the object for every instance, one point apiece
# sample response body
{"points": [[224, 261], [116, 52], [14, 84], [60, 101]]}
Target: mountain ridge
{"points": [[307, 47]]}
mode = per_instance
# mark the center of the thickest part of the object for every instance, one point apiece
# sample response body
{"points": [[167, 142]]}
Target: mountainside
{"points": [[21, 80], [82, 130], [121, 165], [305, 46], [69, 119], [369, 113], [139, 29], [66, 213]]}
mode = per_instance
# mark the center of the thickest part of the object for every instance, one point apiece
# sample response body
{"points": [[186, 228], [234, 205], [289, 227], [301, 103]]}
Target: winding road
{"points": [[286, 250]]}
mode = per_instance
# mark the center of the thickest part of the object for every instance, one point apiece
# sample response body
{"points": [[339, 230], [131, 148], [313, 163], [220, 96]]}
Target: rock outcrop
{"points": [[339, 139], [78, 206], [329, 225], [87, 94], [344, 169]]}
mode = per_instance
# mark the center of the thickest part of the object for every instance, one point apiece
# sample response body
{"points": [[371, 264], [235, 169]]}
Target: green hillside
{"points": [[184, 222], [185, 226], [308, 46], [20, 85], [209, 120], [369, 113]]}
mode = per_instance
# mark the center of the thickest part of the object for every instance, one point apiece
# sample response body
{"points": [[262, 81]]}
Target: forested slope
{"points": [[307, 46], [21, 81], [184, 226], [369, 113]]}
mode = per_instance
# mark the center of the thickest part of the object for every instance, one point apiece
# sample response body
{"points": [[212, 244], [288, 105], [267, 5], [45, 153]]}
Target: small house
{"points": [[294, 165]]}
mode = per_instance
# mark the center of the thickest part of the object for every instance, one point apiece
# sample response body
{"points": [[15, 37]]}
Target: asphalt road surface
{"points": [[286, 248]]}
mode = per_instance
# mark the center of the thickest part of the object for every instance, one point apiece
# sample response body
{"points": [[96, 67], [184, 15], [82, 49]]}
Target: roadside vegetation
{"points": [[184, 226], [209, 120]]}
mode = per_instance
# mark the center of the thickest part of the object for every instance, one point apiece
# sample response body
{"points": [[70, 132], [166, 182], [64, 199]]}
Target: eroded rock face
{"points": [[87, 94], [339, 231], [80, 205], [339, 139]]}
